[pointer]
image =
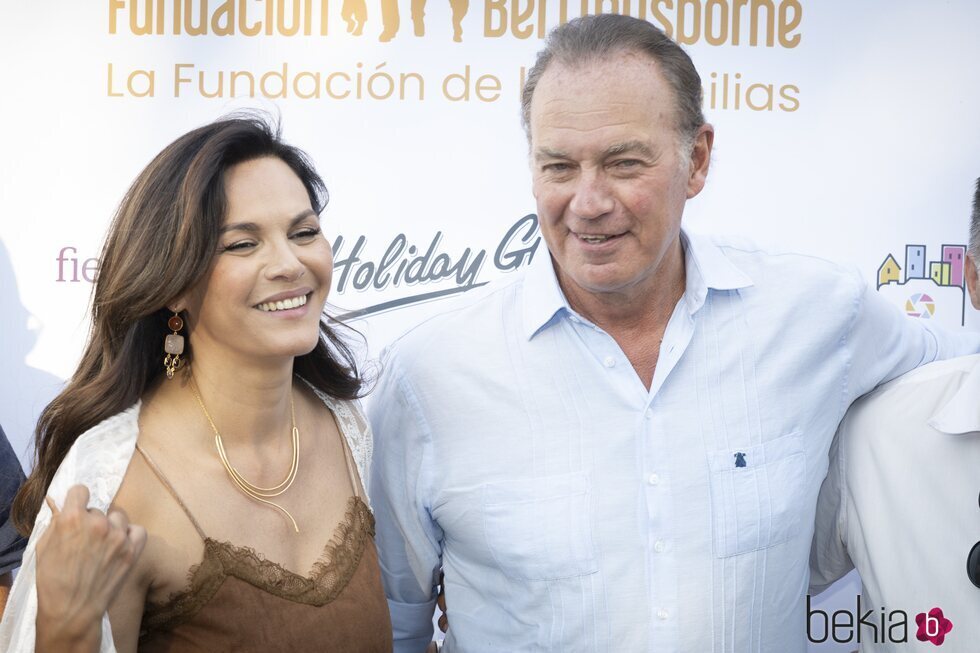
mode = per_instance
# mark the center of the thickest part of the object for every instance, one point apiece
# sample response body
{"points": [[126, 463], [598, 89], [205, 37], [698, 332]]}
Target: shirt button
{"points": [[609, 361], [659, 546], [649, 413], [662, 614], [653, 479]]}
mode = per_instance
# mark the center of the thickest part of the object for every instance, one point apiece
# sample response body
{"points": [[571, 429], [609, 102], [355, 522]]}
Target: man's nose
{"points": [[593, 197]]}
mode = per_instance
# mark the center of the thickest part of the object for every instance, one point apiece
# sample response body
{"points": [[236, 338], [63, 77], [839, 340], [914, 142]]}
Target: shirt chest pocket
{"points": [[540, 528], [757, 494]]}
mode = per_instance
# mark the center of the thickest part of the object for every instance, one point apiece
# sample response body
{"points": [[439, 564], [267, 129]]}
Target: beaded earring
{"points": [[173, 345]]}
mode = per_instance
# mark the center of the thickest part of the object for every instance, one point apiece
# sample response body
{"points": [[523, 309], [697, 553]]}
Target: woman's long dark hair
{"points": [[161, 243]]}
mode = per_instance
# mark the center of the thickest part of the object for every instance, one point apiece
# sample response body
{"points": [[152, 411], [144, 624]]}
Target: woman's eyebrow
{"points": [[252, 227]]}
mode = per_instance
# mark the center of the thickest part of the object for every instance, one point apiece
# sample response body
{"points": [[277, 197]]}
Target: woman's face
{"points": [[267, 286]]}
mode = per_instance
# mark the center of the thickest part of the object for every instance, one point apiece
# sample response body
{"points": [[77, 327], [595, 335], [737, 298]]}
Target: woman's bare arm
{"points": [[126, 614]]}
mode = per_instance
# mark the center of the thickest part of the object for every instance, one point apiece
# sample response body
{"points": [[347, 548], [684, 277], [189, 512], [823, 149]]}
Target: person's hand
{"points": [[443, 619], [82, 560], [441, 602]]}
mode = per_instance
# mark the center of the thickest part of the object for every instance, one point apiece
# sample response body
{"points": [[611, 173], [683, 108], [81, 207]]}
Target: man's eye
{"points": [[626, 163], [556, 167]]}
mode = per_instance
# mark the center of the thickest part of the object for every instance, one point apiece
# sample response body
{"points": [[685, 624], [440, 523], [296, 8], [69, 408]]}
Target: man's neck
{"points": [[645, 306], [636, 318]]}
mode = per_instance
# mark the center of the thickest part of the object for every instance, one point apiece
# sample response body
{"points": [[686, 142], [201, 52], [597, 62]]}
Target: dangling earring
{"points": [[173, 345]]}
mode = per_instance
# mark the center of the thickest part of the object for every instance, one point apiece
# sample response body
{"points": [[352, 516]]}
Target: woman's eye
{"points": [[239, 246], [306, 234]]}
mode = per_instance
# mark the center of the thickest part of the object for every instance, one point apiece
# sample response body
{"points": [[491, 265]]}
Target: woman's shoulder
{"points": [[353, 426], [348, 412], [99, 457]]}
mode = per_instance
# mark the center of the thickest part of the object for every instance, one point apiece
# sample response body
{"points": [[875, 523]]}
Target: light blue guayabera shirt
{"points": [[574, 510]]}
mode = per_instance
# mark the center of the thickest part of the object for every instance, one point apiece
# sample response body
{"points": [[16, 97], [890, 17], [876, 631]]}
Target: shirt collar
{"points": [[543, 298], [961, 414], [707, 268]]}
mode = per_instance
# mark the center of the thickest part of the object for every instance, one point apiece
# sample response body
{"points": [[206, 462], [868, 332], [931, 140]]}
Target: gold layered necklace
{"points": [[260, 494]]}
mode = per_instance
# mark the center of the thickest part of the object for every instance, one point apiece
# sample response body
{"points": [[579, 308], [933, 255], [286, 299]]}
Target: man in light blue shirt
{"points": [[621, 449]]}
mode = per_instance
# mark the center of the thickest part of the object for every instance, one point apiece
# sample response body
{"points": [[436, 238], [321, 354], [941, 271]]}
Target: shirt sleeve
{"points": [[409, 541], [12, 544], [884, 344], [829, 557]]}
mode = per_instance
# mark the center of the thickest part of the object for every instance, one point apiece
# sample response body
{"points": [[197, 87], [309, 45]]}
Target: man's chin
{"points": [[608, 282]]}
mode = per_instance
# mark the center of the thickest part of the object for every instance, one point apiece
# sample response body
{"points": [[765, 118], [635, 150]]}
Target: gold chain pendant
{"points": [[255, 492]]}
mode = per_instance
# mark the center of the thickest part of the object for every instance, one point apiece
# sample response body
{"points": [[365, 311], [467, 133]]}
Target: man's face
{"points": [[608, 175]]}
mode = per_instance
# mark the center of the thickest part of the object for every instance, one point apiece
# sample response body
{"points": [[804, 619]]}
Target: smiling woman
{"points": [[211, 359]]}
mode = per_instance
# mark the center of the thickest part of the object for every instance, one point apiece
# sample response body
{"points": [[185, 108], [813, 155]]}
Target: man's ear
{"points": [[700, 159], [972, 285]]}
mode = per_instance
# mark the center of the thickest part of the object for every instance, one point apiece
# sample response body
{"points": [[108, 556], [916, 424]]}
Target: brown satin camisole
{"points": [[238, 601]]}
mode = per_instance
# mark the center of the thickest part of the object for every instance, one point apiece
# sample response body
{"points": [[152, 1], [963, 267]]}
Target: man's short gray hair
{"points": [[975, 225], [591, 38]]}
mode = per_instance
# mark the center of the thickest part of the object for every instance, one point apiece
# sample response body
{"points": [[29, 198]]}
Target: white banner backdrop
{"points": [[845, 130]]}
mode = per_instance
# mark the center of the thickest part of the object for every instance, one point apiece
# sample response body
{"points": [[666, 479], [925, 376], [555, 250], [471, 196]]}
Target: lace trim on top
{"points": [[327, 578]]}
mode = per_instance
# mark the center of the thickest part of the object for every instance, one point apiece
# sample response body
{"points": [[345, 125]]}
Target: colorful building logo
{"points": [[920, 305], [927, 289]]}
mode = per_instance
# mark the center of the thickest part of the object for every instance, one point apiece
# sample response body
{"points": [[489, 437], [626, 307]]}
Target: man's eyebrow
{"points": [[638, 147], [252, 227], [630, 146], [548, 153]]}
